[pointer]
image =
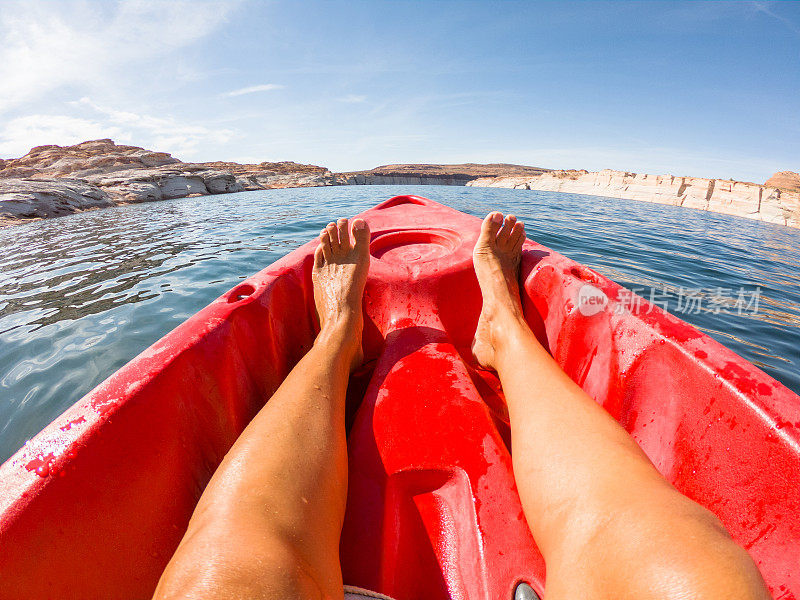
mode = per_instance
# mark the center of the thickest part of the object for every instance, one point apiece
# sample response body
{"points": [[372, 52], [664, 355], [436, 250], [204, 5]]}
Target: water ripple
{"points": [[82, 295]]}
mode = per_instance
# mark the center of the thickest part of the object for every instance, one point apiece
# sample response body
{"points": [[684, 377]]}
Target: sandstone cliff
{"points": [[742, 199], [785, 180], [54, 180], [23, 199], [433, 174]]}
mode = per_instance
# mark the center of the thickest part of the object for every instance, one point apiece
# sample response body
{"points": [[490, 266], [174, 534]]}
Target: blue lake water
{"points": [[81, 295]]}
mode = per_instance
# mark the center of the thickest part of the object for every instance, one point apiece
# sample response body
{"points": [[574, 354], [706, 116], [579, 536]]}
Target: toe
{"points": [[489, 228], [517, 236], [319, 257], [333, 234], [325, 244], [361, 235], [343, 232], [504, 235]]}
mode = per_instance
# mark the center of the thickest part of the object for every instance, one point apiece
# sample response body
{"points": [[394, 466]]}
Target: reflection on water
{"points": [[82, 295]]}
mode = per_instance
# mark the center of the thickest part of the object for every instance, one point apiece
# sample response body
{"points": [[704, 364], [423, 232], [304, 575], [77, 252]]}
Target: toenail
{"points": [[497, 218], [359, 224]]}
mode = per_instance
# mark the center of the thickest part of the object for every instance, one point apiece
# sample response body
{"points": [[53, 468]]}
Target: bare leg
{"points": [[607, 523], [268, 524]]}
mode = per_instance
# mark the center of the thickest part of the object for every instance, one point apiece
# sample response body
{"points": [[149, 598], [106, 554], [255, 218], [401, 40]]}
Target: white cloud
{"points": [[20, 134], [167, 134], [763, 7], [266, 87], [353, 99], [163, 134], [49, 45]]}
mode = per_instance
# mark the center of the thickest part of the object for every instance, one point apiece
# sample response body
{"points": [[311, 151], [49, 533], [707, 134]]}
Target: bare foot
{"points": [[496, 258], [339, 275]]}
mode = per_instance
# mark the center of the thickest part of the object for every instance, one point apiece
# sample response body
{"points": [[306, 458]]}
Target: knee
{"points": [[716, 565], [692, 555], [276, 577], [674, 551], [217, 565]]}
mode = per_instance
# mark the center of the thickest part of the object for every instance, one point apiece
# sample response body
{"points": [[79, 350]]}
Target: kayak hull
{"points": [[433, 510]]}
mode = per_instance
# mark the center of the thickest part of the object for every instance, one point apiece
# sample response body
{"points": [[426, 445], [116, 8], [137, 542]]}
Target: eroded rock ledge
{"points": [[51, 181], [769, 202]]}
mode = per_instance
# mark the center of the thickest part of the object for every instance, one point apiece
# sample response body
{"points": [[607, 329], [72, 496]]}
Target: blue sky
{"points": [[705, 89]]}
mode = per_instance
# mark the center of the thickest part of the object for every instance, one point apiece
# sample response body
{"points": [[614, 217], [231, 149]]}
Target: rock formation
{"points": [[785, 180], [87, 158], [53, 180], [742, 199], [39, 199], [433, 174]]}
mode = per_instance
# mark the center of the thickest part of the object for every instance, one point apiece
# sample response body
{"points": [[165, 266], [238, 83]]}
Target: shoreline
{"points": [[792, 220], [733, 198], [53, 181]]}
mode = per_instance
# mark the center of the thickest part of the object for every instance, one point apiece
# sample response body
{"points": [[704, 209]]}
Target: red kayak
{"points": [[94, 505]]}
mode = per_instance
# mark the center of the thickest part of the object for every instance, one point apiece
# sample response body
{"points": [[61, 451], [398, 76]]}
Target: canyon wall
{"points": [[749, 200], [51, 181], [785, 180], [370, 179], [432, 174]]}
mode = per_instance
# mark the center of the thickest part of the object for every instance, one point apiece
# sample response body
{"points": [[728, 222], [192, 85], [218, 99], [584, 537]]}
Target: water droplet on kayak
{"points": [[42, 470]]}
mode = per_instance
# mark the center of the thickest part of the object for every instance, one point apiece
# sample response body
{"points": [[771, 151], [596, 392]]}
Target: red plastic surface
{"points": [[95, 504]]}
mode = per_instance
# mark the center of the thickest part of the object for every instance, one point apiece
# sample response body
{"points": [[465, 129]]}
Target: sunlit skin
{"points": [[249, 536], [609, 526]]}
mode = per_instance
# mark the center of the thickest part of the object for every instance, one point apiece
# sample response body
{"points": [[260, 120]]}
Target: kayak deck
{"points": [[433, 511]]}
